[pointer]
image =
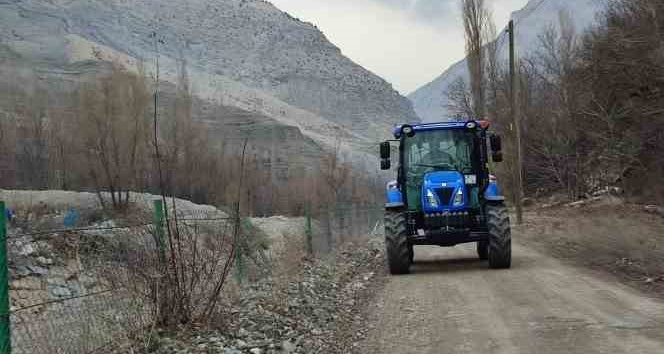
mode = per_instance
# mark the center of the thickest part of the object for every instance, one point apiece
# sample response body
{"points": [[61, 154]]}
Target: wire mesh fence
{"points": [[81, 324], [89, 289], [62, 298], [343, 222], [95, 288]]}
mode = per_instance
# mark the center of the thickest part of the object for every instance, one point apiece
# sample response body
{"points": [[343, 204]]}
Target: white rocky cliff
{"points": [[244, 54]]}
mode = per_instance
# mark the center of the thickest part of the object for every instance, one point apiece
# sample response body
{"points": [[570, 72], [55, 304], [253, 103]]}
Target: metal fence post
{"points": [[307, 228], [158, 220], [5, 335]]}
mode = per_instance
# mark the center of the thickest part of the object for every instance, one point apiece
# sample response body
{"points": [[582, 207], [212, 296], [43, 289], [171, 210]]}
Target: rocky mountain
{"points": [[241, 55], [430, 101]]}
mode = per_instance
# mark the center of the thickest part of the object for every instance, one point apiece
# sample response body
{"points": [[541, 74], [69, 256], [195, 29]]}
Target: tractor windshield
{"points": [[450, 149], [435, 150]]}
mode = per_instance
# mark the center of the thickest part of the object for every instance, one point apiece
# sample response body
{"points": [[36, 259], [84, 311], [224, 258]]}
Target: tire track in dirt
{"points": [[452, 303]]}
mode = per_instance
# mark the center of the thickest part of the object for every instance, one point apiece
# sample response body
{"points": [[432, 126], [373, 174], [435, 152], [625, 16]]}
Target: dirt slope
{"points": [[451, 303]]}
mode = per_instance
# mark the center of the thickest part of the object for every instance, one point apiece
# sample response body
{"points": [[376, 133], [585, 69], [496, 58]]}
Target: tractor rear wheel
{"points": [[396, 242], [500, 237], [483, 250]]}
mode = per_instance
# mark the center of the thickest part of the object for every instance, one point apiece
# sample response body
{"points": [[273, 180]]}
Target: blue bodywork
{"points": [[440, 183], [492, 190], [443, 186], [393, 195]]}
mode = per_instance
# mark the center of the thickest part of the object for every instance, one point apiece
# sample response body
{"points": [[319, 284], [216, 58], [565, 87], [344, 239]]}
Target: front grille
{"points": [[444, 195], [456, 220]]}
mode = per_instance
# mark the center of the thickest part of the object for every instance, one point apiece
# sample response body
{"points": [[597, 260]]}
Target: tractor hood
{"points": [[440, 190]]}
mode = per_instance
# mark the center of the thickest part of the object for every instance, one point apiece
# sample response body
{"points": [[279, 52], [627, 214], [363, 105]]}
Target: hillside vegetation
{"points": [[78, 79], [100, 136], [432, 100], [590, 104]]}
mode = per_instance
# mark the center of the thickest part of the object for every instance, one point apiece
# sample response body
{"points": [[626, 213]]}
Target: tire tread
{"points": [[396, 242], [500, 237]]}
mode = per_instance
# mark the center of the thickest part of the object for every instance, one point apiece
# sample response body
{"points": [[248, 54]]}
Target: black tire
{"points": [[396, 242], [411, 254], [500, 237], [483, 250]]}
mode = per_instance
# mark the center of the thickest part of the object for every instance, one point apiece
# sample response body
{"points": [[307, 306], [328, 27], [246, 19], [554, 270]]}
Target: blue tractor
{"points": [[444, 194]]}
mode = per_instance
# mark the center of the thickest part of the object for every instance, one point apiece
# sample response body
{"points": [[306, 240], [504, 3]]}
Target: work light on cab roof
{"points": [[410, 129]]}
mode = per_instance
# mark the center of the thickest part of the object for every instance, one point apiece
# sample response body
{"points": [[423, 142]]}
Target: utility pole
{"points": [[518, 174]]}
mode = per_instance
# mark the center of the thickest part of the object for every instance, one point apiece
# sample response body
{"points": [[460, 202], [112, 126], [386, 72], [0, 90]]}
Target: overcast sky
{"points": [[407, 42]]}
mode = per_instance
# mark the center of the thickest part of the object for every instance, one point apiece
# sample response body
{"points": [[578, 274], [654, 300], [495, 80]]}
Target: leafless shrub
{"points": [[181, 280]]}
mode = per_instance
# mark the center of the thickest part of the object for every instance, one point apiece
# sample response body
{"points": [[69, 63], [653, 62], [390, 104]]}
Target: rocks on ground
{"points": [[313, 311]]}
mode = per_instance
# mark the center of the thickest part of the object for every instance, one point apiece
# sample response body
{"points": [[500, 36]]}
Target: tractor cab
{"points": [[444, 193]]}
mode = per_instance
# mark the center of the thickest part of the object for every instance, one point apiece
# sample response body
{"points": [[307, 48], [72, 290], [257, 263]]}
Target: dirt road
{"points": [[451, 303]]}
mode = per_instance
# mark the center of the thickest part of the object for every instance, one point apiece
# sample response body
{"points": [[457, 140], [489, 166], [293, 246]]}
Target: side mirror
{"points": [[385, 150], [497, 156], [496, 143], [385, 164]]}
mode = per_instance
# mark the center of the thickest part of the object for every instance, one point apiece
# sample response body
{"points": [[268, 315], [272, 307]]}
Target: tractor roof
{"points": [[431, 126]]}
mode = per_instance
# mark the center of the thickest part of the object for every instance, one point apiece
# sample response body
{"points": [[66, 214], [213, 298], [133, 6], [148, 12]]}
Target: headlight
{"points": [[471, 179], [431, 199], [458, 197], [471, 125]]}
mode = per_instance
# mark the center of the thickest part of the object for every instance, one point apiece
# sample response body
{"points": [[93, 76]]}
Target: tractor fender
{"points": [[494, 198], [393, 194], [492, 195], [394, 206], [492, 190]]}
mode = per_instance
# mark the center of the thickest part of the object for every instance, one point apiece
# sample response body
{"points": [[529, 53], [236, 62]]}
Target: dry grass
{"points": [[622, 240]]}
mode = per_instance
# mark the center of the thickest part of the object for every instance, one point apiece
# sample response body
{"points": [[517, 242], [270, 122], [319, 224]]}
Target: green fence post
{"points": [[307, 228], [158, 220], [5, 334]]}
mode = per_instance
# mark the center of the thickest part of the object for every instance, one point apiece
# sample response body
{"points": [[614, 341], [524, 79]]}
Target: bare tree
{"points": [[8, 146], [113, 125], [335, 170], [32, 154], [492, 70], [478, 26], [556, 60], [460, 102], [335, 173]]}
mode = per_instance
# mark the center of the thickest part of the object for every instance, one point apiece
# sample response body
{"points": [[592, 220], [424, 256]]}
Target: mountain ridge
{"points": [[241, 53]]}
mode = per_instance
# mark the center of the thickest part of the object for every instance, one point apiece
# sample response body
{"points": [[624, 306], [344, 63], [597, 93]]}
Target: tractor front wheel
{"points": [[500, 237], [396, 242]]}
